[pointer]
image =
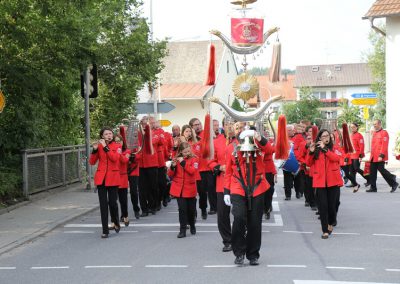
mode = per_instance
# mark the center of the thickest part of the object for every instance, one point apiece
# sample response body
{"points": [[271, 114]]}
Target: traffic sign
{"points": [[2, 101], [364, 102], [364, 96], [165, 122], [366, 113], [162, 107]]}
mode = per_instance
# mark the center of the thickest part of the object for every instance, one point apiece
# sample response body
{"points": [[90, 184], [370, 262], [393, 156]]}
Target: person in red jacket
{"points": [[133, 177], [358, 144], [298, 179], [107, 178], [162, 174], [218, 164], [244, 188], [327, 180], [123, 186], [308, 188], [379, 155], [271, 176], [183, 173]]}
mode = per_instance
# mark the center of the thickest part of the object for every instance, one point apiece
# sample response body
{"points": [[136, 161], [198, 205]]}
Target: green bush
{"points": [[10, 185]]}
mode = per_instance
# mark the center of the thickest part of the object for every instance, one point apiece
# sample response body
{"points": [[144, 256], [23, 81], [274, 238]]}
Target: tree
{"points": [[349, 114], [376, 61], [305, 108], [236, 105]]}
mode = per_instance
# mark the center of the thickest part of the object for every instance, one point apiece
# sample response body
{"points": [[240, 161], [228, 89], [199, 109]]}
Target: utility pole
{"points": [[153, 93], [87, 129]]}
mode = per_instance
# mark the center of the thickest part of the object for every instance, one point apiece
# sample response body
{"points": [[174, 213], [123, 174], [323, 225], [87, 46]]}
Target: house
{"points": [[390, 10], [182, 81], [334, 82]]}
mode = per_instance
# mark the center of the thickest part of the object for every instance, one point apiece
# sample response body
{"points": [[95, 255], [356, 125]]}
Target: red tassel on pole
{"points": [[314, 132], [347, 146], [211, 66], [207, 140], [282, 146], [148, 145], [122, 133]]}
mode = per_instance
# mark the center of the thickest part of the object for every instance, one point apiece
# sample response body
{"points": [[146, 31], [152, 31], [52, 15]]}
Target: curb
{"points": [[43, 231]]}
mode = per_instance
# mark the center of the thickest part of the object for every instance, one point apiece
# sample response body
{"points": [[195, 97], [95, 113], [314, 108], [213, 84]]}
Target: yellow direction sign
{"points": [[366, 113], [2, 101], [165, 122], [365, 102]]}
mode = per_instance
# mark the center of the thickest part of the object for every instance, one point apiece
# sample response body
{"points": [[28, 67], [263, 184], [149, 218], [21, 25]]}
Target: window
{"points": [[316, 95], [333, 95], [315, 69], [322, 95], [338, 68]]}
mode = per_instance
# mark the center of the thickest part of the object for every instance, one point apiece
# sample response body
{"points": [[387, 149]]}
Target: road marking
{"points": [[8, 268], [275, 195], [286, 266], [220, 266], [345, 268], [78, 232], [278, 221], [108, 266], [266, 231], [178, 231], [165, 266], [49, 267], [392, 270], [275, 206], [385, 235], [298, 232]]}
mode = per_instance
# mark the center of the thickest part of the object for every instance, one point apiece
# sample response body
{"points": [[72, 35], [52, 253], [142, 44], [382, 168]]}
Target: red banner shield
{"points": [[247, 31]]}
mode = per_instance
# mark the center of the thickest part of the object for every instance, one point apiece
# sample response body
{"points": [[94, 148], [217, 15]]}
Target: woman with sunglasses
{"points": [[325, 161]]}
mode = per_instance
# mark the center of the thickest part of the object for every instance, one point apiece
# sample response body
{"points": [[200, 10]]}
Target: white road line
{"points": [[275, 195], [286, 266], [385, 235], [108, 266], [78, 232], [277, 217], [266, 231], [345, 268], [278, 221], [165, 266], [392, 270], [49, 267], [165, 231], [220, 266], [297, 232], [275, 205], [8, 268], [356, 234]]}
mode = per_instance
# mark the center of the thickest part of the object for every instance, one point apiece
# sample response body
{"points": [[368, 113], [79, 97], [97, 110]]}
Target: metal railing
{"points": [[52, 167]]}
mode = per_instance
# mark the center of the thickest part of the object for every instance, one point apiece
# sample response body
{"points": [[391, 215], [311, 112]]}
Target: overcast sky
{"points": [[311, 31]]}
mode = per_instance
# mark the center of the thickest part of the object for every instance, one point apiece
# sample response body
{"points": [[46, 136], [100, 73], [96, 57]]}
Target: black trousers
{"points": [[247, 226], [346, 170], [133, 186], [355, 168], [148, 188], [162, 184], [299, 182], [380, 166], [209, 186], [327, 205], [309, 190], [288, 180], [202, 195], [123, 201], [108, 200], [269, 194], [187, 209], [224, 220]]}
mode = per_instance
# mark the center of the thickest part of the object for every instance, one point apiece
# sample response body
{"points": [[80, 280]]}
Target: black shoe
{"points": [[204, 214], [239, 260], [317, 213], [165, 203], [137, 214], [371, 190], [267, 216], [227, 248], [212, 212], [334, 224], [314, 208], [367, 184], [193, 230], [181, 234], [325, 236], [153, 212], [126, 221], [144, 214], [345, 180], [394, 187], [287, 198], [254, 261], [157, 209], [298, 195], [121, 219], [104, 236], [306, 204], [356, 188], [117, 228]]}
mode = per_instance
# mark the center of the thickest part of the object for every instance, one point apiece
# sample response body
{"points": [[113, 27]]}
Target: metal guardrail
{"points": [[52, 167]]}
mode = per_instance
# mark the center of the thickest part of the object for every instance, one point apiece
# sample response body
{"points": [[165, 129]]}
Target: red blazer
{"points": [[168, 145], [232, 184], [159, 133], [149, 160], [326, 169], [379, 145], [133, 165], [219, 160], [358, 143], [184, 178], [269, 165], [108, 167], [302, 158], [297, 140], [123, 169]]}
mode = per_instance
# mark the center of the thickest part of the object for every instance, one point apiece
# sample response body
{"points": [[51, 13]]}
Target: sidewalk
{"points": [[44, 213]]}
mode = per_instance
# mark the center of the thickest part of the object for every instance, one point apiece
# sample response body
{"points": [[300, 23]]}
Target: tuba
{"points": [[132, 140]]}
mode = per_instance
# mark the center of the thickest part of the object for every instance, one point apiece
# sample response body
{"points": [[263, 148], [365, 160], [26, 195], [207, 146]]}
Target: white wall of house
{"points": [[392, 79], [183, 112]]}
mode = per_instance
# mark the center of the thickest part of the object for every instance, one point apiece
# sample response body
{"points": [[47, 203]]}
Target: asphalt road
{"points": [[365, 247]]}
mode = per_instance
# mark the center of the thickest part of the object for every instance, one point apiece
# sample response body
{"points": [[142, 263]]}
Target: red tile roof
{"points": [[268, 89], [183, 91], [384, 8]]}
